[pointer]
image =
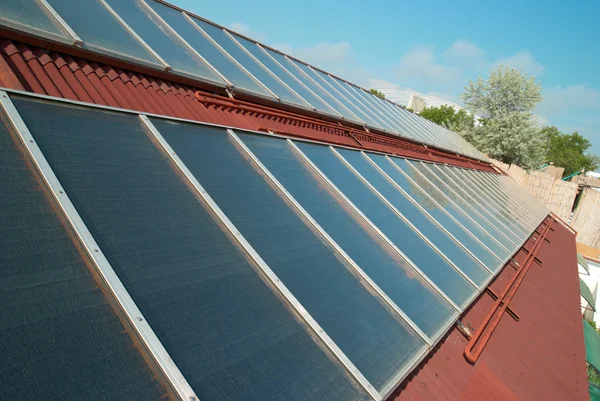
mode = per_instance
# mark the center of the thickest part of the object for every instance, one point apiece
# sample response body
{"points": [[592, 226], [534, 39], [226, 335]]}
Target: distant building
{"points": [[416, 101]]}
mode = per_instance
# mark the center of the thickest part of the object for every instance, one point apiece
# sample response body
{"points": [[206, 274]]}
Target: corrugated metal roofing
{"points": [[51, 73], [540, 357]]}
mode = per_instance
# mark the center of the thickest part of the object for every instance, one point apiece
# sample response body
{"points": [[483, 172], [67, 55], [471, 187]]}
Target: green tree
{"points": [[440, 115], [377, 93], [568, 151], [508, 130], [459, 121]]}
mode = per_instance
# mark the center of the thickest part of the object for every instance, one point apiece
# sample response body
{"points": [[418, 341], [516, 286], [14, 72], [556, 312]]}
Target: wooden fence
{"points": [[546, 186], [586, 219]]}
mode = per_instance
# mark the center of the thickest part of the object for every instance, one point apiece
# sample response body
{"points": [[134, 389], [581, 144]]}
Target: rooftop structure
{"points": [[188, 214], [416, 101]]}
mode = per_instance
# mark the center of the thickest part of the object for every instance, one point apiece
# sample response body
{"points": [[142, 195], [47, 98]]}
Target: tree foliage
{"points": [[568, 151], [448, 117], [377, 93], [508, 130], [440, 115]]}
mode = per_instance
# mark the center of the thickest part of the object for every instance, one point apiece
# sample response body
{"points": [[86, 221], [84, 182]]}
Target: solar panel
{"points": [[376, 341], [268, 268], [32, 16], [371, 101], [393, 273], [323, 93], [251, 64], [182, 59], [513, 211], [438, 213], [452, 250], [511, 186], [159, 36], [292, 82], [385, 121], [189, 31], [475, 210], [462, 215], [399, 232], [515, 204], [470, 194], [101, 31], [226, 330], [341, 97], [60, 338]]}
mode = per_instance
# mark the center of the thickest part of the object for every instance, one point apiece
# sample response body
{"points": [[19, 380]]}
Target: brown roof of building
{"points": [[37, 70], [539, 357]]}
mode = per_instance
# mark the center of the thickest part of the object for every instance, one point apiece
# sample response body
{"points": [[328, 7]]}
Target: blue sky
{"points": [[437, 46]]}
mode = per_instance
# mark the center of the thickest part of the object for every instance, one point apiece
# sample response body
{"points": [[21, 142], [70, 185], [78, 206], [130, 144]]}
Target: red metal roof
{"points": [[540, 357], [38, 70]]}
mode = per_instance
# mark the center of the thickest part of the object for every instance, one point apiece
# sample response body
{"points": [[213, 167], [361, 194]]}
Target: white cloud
{"points": [[562, 100], [572, 108], [521, 60], [465, 54], [420, 65], [449, 70]]}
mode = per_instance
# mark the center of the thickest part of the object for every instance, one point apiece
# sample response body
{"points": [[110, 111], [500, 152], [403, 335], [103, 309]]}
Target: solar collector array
{"points": [[375, 283], [156, 35]]}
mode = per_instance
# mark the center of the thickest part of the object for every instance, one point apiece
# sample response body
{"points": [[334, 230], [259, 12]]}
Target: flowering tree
{"points": [[508, 130]]}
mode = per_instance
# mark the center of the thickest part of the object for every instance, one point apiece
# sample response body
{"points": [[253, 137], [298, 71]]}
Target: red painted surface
{"points": [[37, 70], [482, 335], [540, 357]]}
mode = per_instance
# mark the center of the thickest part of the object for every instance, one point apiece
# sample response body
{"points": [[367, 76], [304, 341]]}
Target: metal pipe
{"points": [[489, 324]]}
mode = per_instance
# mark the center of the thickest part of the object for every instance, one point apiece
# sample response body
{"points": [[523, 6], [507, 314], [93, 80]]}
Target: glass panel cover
{"points": [[100, 30], [235, 51], [465, 262], [366, 331], [436, 209], [471, 195], [469, 208], [448, 204], [341, 97], [162, 40], [322, 92], [31, 15], [410, 243], [231, 337], [238, 77], [59, 337], [389, 270], [285, 76]]}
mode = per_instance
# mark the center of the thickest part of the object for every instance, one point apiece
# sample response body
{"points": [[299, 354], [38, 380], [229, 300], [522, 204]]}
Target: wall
{"points": [[587, 180], [586, 219], [546, 186], [559, 197]]}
